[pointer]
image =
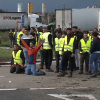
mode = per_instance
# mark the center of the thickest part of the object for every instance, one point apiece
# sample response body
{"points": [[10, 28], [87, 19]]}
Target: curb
{"points": [[7, 63]]}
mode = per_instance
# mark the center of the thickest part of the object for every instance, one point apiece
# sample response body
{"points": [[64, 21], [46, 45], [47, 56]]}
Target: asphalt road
{"points": [[49, 87]]}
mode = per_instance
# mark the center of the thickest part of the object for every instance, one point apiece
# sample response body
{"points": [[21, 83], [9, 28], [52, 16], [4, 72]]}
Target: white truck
{"points": [[35, 20], [12, 20], [85, 19]]}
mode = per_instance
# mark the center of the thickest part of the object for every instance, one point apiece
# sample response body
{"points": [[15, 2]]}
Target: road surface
{"points": [[49, 87]]}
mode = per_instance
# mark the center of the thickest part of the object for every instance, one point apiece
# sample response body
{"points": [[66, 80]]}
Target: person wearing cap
{"points": [[57, 47], [68, 53], [48, 46], [79, 36]]}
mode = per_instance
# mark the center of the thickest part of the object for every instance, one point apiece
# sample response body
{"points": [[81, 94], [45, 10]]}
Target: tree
{"points": [[2, 10]]}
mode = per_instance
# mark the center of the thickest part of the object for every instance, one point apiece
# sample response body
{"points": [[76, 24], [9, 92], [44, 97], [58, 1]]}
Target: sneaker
{"points": [[62, 74]]}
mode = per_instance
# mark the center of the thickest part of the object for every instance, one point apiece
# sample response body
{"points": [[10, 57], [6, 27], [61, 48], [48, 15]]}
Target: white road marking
{"points": [[8, 89], [76, 88], [2, 76], [42, 88], [67, 97]]}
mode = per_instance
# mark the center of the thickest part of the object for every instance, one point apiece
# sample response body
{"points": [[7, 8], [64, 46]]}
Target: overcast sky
{"points": [[51, 5]]}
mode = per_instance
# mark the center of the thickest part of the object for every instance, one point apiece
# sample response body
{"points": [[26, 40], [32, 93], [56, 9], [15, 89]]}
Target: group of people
{"points": [[67, 45]]}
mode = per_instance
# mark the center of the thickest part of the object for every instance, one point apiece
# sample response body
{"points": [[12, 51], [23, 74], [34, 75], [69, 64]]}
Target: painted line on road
{"points": [[67, 97], [8, 89], [76, 88], [2, 76], [42, 88]]}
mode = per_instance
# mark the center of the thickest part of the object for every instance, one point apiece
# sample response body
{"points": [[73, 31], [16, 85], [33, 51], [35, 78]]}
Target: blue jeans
{"points": [[94, 62], [60, 67], [77, 57], [31, 69], [26, 56]]}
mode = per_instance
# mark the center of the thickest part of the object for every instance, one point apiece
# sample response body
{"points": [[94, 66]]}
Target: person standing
{"points": [[61, 44], [69, 53], [41, 49], [84, 48], [18, 61], [15, 36], [79, 36], [95, 54], [11, 38], [27, 38], [57, 44], [48, 46], [20, 34]]}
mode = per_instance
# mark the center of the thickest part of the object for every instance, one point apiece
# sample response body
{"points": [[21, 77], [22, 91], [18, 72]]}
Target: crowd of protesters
{"points": [[72, 48]]}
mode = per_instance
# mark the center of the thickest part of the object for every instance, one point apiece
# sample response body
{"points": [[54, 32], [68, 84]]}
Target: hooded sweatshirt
{"points": [[95, 45]]}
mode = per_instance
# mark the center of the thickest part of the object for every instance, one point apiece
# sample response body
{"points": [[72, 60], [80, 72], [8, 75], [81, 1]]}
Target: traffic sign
{"points": [[22, 20]]}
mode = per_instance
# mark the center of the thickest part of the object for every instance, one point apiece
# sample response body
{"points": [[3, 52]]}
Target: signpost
{"points": [[22, 20]]}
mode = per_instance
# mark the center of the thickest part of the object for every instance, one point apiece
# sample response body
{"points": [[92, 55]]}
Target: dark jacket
{"points": [[50, 40], [79, 36], [11, 36], [27, 39], [95, 45]]}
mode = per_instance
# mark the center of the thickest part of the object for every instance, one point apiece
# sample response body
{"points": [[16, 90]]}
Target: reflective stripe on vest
{"points": [[18, 37], [85, 46], [57, 44], [69, 47], [61, 41], [17, 58], [46, 44]]}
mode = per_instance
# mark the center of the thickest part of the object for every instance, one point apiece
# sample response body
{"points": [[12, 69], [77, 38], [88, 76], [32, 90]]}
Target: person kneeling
{"points": [[18, 61], [32, 52]]}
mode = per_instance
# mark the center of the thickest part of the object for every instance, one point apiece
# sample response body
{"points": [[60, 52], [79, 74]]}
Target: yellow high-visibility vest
{"points": [[18, 37], [17, 58], [90, 37], [57, 44], [46, 44], [69, 47], [61, 41], [85, 46]]}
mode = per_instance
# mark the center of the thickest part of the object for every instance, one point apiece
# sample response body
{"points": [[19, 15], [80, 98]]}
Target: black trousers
{"points": [[42, 57], [65, 58], [17, 69], [84, 57], [57, 56], [48, 58]]}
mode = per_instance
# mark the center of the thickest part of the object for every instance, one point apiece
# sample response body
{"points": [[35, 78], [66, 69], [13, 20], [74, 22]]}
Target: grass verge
{"points": [[5, 54]]}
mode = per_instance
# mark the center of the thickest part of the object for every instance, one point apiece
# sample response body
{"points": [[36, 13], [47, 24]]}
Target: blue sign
{"points": [[22, 20]]}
